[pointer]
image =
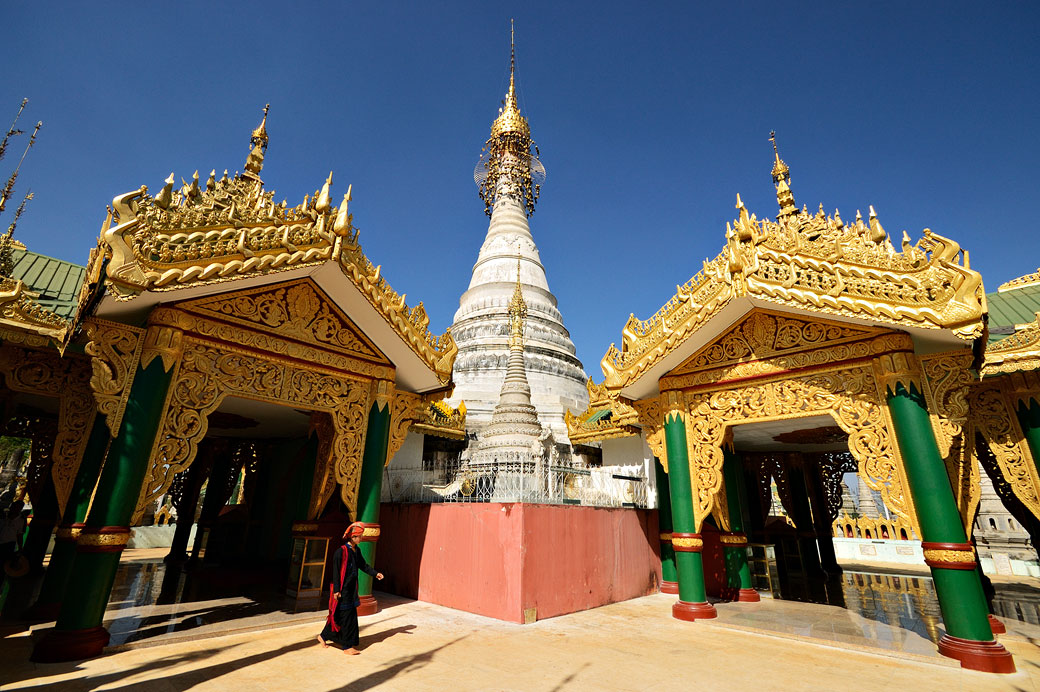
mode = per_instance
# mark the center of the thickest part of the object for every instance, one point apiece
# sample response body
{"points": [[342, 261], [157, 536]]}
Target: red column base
{"points": [[682, 610], [369, 605], [671, 587], [748, 596], [70, 645], [989, 657], [996, 625]]}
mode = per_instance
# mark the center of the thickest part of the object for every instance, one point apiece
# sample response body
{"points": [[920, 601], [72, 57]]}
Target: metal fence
{"points": [[520, 481]]}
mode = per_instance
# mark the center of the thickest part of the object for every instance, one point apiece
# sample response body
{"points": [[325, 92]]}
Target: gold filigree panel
{"points": [[947, 384], [46, 373], [114, 350], [992, 413], [405, 409], [765, 334], [205, 374], [850, 395], [295, 311]]}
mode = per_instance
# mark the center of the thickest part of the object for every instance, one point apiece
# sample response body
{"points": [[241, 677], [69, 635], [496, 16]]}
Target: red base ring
{"points": [[996, 625], [671, 587], [748, 596], [682, 610], [989, 657], [70, 645], [369, 605]]}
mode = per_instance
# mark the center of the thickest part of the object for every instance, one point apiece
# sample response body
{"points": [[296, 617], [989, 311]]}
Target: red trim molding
{"points": [[989, 657], [671, 587], [371, 534], [687, 543], [103, 539], [369, 605], [70, 645]]}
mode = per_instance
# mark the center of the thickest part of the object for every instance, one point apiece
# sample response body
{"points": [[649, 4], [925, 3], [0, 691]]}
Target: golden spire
{"points": [[517, 311], [782, 180], [258, 140], [509, 118]]}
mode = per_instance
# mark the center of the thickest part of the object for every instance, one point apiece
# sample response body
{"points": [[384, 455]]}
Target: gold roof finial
{"points": [[509, 118], [258, 140], [517, 310], [782, 181]]}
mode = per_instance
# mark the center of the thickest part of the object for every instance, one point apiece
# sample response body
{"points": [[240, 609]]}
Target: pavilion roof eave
{"points": [[926, 340]]}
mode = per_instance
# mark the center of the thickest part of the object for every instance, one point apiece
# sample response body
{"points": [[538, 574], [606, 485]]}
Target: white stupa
{"points": [[509, 176]]}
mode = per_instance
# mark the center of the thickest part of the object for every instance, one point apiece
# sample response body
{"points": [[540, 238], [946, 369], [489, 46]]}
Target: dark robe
{"points": [[345, 583]]}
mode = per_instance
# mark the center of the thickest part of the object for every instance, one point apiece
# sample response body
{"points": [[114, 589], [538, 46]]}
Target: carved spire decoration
{"points": [[517, 313], [509, 163], [258, 140], [782, 180]]}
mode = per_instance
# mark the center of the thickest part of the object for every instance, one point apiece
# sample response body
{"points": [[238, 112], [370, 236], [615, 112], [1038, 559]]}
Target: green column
{"points": [[738, 574], [1029, 418], [78, 633], [64, 552], [377, 440], [692, 596], [669, 578], [959, 591]]}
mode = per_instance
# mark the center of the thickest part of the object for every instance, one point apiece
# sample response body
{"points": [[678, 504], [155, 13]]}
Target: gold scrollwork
{"points": [[954, 556], [323, 483], [45, 372], [406, 408], [687, 542], [114, 350], [205, 374], [991, 412]]}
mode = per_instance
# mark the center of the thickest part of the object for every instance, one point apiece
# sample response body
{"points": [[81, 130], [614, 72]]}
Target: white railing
{"points": [[520, 481]]}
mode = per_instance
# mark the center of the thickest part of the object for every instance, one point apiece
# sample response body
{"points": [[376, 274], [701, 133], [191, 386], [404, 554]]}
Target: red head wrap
{"points": [[355, 529]]}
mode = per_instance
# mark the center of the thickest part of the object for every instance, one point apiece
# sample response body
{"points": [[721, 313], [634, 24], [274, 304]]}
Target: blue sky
{"points": [[650, 118]]}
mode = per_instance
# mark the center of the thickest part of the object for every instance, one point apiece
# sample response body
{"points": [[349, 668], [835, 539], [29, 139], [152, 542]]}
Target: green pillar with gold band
{"points": [[693, 601], [78, 633], [60, 568], [734, 543], [669, 580], [377, 440], [947, 552]]}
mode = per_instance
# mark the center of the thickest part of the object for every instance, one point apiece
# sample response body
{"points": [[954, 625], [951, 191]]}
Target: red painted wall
{"points": [[499, 559]]}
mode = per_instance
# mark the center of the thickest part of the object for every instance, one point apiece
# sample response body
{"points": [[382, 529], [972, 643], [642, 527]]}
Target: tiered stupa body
{"points": [[513, 435], [509, 176]]}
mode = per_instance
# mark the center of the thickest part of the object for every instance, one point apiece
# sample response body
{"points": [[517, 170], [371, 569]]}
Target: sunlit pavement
{"points": [[635, 645]]}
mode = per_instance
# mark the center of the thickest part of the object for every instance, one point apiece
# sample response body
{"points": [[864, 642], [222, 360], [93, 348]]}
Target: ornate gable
{"points": [[297, 310], [766, 341]]}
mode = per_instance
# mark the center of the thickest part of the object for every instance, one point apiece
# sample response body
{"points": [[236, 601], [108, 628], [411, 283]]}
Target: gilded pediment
{"points": [[764, 335], [296, 310]]}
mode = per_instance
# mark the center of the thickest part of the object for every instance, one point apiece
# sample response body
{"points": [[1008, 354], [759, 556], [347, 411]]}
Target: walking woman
{"points": [[341, 627]]}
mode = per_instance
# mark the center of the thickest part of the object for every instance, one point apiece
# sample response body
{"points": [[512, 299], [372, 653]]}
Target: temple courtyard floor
{"points": [[634, 645]]}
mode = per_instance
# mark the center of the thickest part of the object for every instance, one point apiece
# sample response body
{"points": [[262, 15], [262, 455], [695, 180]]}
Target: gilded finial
{"points": [[323, 203], [342, 224], [517, 310], [782, 180], [258, 140]]}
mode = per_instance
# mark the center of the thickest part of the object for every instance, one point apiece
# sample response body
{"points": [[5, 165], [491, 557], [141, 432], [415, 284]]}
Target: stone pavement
{"points": [[635, 645]]}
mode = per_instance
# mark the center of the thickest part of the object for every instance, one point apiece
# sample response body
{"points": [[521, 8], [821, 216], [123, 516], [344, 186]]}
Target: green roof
{"points": [[57, 282]]}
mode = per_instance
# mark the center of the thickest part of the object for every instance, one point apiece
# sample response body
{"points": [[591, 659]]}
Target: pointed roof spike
{"points": [[782, 180], [211, 182], [323, 203], [258, 140], [165, 196]]}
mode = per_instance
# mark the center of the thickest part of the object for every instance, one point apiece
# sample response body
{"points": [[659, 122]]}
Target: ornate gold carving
{"points": [[651, 418], [104, 539], [1019, 352], [114, 350], [687, 542], [19, 311], [371, 531], [206, 374], [1021, 282], [163, 342], [609, 415], [666, 537], [991, 412], [382, 393], [323, 483], [947, 382], [441, 420], [816, 263], [45, 372], [296, 311], [850, 395], [268, 345], [735, 541], [956, 556], [405, 409], [899, 368]]}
